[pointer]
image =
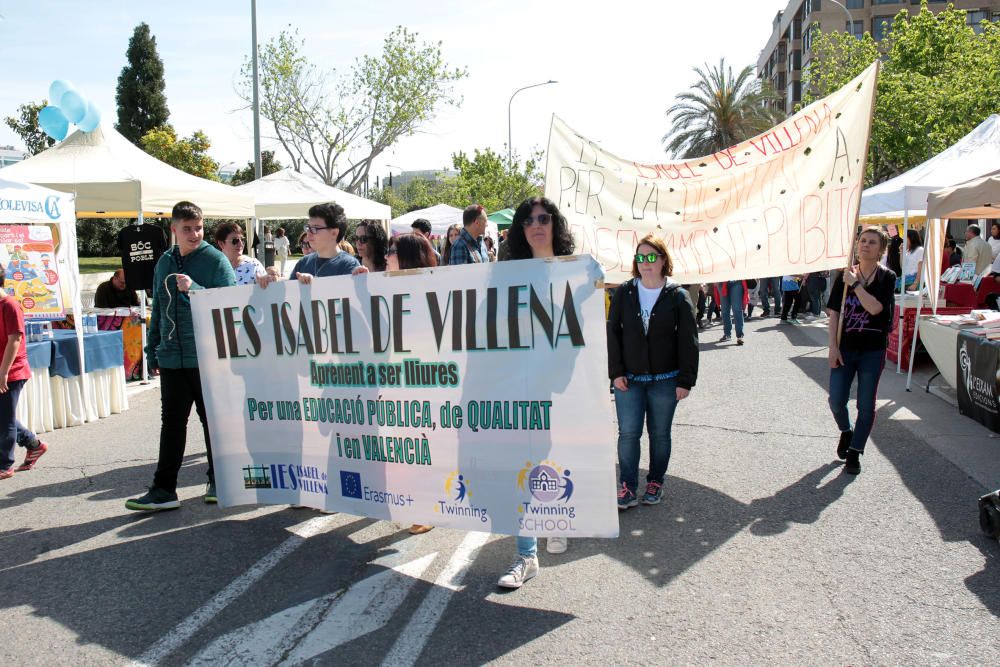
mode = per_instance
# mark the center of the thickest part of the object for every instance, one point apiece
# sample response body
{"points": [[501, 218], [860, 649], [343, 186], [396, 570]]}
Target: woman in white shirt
{"points": [[913, 261], [994, 239], [281, 247], [230, 240]]}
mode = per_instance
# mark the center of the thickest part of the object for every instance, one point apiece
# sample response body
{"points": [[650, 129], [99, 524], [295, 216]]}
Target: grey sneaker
{"points": [[725, 338], [557, 545], [156, 499], [653, 495], [626, 497], [523, 569]]}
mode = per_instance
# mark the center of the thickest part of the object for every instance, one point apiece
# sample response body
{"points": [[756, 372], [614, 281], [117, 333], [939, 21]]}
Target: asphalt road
{"points": [[762, 553]]}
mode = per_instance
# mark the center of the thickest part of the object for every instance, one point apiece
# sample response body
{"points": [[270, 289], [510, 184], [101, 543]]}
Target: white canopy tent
{"points": [[441, 218], [975, 199], [22, 203], [289, 194], [905, 196], [111, 177]]}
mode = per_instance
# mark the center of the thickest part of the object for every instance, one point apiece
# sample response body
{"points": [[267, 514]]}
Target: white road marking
{"points": [[298, 634], [414, 637], [185, 630]]}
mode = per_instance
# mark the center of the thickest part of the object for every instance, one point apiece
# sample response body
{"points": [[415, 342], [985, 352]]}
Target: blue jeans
{"points": [[815, 297], [732, 307], [868, 368], [654, 402], [527, 546], [12, 432], [772, 287]]}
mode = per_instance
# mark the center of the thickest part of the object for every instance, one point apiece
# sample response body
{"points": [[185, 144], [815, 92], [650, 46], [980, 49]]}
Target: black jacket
{"points": [[670, 345]]}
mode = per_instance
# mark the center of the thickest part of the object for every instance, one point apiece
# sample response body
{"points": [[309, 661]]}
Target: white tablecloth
{"points": [[941, 342], [49, 403]]}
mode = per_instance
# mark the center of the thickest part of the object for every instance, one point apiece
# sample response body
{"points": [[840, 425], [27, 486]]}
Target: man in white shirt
{"points": [[976, 250]]}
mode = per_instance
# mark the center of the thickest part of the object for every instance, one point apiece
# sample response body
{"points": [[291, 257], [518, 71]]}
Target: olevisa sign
{"points": [[50, 206]]}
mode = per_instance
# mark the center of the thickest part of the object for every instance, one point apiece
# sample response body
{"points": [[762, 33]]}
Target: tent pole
{"points": [[916, 323], [902, 284], [142, 313]]}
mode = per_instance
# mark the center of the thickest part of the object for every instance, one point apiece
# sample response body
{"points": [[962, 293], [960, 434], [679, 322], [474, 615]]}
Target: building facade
{"points": [[789, 49], [9, 155]]}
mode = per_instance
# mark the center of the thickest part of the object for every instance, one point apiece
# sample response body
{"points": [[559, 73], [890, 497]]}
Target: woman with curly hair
{"points": [[537, 230], [372, 243], [454, 231], [529, 237]]}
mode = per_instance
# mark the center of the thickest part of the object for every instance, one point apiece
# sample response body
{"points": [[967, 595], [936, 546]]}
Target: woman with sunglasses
{"points": [[537, 230], [653, 364], [371, 242], [230, 240]]}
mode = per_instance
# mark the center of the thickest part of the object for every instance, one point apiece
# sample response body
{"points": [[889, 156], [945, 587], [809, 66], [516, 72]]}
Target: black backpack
{"points": [[989, 514]]}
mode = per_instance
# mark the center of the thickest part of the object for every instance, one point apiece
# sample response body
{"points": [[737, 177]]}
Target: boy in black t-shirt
{"points": [[867, 316]]}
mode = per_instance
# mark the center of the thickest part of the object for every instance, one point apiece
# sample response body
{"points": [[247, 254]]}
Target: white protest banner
{"points": [[784, 202], [472, 397]]}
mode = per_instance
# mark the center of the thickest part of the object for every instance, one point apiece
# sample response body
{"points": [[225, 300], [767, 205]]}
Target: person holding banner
{"points": [[371, 242], [537, 230], [192, 264], [653, 364], [324, 231], [863, 299]]}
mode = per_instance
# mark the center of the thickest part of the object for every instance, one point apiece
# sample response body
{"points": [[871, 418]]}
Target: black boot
{"points": [[853, 464], [844, 444]]}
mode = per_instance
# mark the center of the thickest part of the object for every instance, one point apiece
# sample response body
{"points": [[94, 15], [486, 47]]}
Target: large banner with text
{"points": [[472, 397], [784, 202]]}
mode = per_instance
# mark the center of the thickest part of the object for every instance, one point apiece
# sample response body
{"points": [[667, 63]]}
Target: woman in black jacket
{"points": [[653, 363]]}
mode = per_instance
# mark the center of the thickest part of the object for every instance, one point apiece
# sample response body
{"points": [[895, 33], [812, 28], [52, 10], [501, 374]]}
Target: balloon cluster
{"points": [[67, 106]]}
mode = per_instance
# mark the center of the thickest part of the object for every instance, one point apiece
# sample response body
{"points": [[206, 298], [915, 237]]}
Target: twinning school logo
{"points": [[550, 488], [546, 482], [458, 499]]}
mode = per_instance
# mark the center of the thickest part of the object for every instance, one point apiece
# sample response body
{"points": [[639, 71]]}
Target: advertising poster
{"points": [[27, 252]]}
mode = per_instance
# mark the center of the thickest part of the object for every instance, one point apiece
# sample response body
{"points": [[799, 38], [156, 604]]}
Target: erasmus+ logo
{"points": [[351, 486], [458, 499]]}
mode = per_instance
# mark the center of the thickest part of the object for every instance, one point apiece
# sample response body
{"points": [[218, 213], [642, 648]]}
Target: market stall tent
{"points": [[441, 218], [502, 218], [972, 200], [905, 196], [111, 177], [289, 194], [23, 203]]}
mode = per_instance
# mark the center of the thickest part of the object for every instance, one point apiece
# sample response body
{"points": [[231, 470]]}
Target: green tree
{"points": [[142, 104], [939, 80], [25, 125], [488, 179], [268, 166], [190, 155], [720, 109], [336, 126]]}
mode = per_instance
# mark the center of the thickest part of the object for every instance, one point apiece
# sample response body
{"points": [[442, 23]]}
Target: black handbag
{"points": [[989, 514]]}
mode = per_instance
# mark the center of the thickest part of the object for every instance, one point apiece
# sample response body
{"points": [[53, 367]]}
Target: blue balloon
{"points": [[57, 89], [91, 119], [53, 122], [73, 105]]}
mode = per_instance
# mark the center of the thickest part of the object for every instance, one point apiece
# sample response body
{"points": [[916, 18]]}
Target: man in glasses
{"points": [[326, 227], [469, 247], [422, 226]]}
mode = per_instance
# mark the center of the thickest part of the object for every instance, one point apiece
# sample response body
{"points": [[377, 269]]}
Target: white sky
{"points": [[618, 64]]}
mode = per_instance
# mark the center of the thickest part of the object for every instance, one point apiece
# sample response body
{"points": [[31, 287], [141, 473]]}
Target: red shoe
{"points": [[5, 474], [32, 456]]}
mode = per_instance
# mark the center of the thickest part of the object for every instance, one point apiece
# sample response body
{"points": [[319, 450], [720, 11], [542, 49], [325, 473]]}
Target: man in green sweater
{"points": [[190, 265]]}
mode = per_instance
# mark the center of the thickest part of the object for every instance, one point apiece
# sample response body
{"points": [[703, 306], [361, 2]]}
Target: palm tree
{"points": [[719, 111]]}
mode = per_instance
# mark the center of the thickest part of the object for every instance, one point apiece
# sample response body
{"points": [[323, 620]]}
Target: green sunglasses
{"points": [[648, 257]]}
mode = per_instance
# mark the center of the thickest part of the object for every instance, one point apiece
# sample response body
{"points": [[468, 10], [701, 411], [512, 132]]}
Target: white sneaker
{"points": [[524, 568], [557, 545]]}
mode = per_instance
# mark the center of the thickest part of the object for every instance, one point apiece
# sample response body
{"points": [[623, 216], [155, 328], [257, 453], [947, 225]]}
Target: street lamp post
{"points": [[850, 18], [534, 85]]}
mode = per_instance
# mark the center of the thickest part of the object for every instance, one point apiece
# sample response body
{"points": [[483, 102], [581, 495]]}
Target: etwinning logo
{"points": [[550, 489], [351, 486], [285, 476], [458, 499]]}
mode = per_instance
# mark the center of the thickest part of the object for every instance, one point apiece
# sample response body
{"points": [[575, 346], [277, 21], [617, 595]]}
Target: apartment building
{"points": [[788, 50]]}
